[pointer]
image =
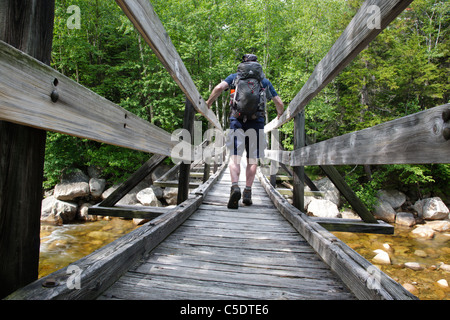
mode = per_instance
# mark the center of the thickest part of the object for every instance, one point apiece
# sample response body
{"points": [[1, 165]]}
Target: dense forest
{"points": [[403, 71]]}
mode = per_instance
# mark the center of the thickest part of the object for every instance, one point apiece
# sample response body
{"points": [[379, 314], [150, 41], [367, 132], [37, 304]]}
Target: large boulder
{"points": [[96, 187], [170, 195], [331, 192], [405, 219], [423, 231], [323, 208], [57, 212], [147, 197], [395, 198], [385, 212], [74, 185], [431, 209]]}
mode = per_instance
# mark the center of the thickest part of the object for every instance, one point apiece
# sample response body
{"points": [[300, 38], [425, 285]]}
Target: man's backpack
{"points": [[249, 97]]}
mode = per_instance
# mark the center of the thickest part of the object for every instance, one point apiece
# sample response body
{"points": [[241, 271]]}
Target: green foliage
{"points": [[403, 71], [415, 180]]}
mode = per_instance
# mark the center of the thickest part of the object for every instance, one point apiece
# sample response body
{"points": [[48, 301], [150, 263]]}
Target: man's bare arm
{"points": [[217, 91], [279, 105]]}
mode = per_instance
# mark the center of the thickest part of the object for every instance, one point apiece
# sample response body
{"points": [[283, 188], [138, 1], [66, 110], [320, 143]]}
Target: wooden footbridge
{"points": [[199, 249]]}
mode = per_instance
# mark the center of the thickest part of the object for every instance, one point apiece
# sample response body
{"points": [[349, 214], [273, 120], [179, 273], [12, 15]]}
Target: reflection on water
{"points": [[62, 245], [404, 248]]}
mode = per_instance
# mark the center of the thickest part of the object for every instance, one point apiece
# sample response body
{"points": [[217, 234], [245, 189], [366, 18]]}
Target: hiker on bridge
{"points": [[250, 90]]}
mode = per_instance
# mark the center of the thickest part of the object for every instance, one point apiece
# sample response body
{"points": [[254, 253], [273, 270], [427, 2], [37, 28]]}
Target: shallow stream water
{"points": [[62, 245], [405, 248]]}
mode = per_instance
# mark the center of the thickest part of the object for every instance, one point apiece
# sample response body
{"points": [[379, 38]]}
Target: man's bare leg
{"points": [[252, 166], [235, 170]]}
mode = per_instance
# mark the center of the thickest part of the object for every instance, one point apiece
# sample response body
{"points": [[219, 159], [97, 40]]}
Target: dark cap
{"points": [[249, 57]]}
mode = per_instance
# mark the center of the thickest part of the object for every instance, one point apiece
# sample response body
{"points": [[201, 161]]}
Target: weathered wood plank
{"points": [[353, 225], [129, 212], [135, 286], [102, 268], [354, 270], [237, 253], [353, 40], [414, 139], [26, 85], [147, 22]]}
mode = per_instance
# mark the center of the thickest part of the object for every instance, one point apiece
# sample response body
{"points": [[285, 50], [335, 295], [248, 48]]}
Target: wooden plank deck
{"points": [[249, 253]]}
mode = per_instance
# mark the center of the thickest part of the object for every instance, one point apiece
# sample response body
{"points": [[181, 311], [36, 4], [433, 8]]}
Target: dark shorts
{"points": [[248, 136]]}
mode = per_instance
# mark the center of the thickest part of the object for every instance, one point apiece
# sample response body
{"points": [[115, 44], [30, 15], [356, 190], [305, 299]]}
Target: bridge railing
{"points": [[421, 138]]}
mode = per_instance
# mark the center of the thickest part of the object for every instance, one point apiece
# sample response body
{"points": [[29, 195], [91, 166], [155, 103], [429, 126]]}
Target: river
{"points": [[405, 248], [62, 245]]}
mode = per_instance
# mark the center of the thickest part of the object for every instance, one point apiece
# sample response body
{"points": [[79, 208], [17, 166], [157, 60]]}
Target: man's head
{"points": [[249, 57]]}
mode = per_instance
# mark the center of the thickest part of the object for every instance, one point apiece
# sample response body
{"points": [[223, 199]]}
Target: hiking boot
{"points": [[235, 196], [247, 197]]}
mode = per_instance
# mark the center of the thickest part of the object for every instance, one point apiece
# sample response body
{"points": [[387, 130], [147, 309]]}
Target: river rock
{"points": [[349, 214], [414, 266], [411, 288], [83, 213], [423, 231], [431, 209], [323, 208], [71, 191], [46, 206], [73, 185], [439, 225], [52, 218], [442, 283], [57, 212], [128, 199], [395, 198], [385, 212], [96, 187], [66, 210], [147, 197], [331, 192], [443, 266], [420, 253], [170, 195], [382, 257], [405, 219]]}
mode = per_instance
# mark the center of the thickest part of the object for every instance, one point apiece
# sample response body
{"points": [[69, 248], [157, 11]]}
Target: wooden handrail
{"points": [[28, 86], [353, 40], [419, 138], [147, 22]]}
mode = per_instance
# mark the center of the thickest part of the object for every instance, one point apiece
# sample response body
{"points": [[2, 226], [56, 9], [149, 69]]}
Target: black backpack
{"points": [[249, 97]]}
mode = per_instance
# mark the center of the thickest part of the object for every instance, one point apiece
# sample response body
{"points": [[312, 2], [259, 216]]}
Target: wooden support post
{"points": [[299, 172], [185, 168], [274, 165], [28, 26], [207, 169]]}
